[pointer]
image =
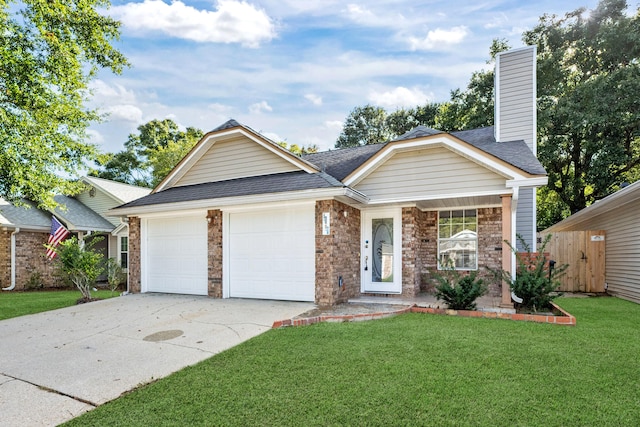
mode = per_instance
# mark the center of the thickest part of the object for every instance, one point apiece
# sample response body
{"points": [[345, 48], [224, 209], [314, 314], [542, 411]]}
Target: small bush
{"points": [[534, 283], [459, 291], [81, 264], [115, 274]]}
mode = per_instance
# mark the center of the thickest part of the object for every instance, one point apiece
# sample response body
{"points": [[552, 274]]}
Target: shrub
{"points": [[534, 283], [459, 291], [81, 264], [115, 274]]}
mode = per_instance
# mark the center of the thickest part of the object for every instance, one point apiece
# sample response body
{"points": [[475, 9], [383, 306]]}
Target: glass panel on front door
{"points": [[382, 248]]}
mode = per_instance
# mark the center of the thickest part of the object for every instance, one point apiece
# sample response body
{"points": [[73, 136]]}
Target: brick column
{"points": [[134, 255], [506, 250], [214, 257], [337, 254]]}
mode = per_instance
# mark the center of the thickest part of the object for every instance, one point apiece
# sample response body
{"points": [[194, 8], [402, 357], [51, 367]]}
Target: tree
{"points": [[149, 155], [473, 108], [49, 52], [403, 120], [299, 150], [372, 125], [589, 113], [364, 125]]}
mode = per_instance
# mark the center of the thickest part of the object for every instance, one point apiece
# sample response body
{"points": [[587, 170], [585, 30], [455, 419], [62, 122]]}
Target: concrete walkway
{"points": [[59, 364]]}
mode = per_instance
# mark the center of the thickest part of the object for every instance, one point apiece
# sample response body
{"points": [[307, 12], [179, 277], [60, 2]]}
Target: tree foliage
{"points": [[588, 78], [299, 150], [49, 52], [589, 112], [468, 109], [149, 155]]}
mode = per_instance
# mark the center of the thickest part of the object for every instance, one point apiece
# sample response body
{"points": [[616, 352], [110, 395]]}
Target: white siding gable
{"points": [[100, 203], [427, 173], [234, 158]]}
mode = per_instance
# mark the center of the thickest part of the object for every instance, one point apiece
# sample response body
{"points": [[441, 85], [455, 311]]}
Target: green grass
{"points": [[414, 369], [14, 304]]}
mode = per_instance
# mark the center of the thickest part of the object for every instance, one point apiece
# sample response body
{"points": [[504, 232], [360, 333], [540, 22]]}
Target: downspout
{"points": [[514, 209], [13, 260]]}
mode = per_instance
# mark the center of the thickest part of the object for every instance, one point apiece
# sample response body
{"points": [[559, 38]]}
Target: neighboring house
{"points": [[240, 216], [24, 231], [617, 216]]}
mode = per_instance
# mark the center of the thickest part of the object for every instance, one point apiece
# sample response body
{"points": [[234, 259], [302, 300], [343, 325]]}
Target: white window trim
{"points": [[440, 268]]}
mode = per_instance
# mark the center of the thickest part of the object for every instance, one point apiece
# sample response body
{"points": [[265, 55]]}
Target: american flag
{"points": [[57, 235]]}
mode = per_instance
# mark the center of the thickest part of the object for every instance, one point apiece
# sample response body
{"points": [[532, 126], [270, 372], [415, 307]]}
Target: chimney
{"points": [[515, 88], [515, 120]]}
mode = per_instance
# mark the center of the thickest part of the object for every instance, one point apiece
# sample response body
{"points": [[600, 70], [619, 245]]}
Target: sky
{"points": [[293, 70]]}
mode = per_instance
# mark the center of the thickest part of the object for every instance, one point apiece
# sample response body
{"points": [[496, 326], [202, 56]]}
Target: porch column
{"points": [[506, 250]]}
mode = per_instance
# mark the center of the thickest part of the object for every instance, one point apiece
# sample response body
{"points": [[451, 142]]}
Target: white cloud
{"points": [[260, 107], [103, 90], [314, 99], [438, 39], [95, 137], [233, 21], [383, 18], [124, 112], [273, 136], [399, 97], [333, 124]]}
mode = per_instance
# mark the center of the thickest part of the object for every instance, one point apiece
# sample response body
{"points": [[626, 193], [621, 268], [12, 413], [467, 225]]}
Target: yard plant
{"points": [[81, 264], [459, 291], [413, 369], [536, 281]]}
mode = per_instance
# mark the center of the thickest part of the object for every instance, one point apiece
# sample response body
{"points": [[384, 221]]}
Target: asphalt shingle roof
{"points": [[124, 192], [26, 217], [79, 216], [516, 153], [340, 163], [335, 166], [264, 184]]}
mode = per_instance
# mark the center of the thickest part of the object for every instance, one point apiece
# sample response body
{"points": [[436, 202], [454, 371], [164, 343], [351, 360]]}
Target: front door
{"points": [[382, 252]]}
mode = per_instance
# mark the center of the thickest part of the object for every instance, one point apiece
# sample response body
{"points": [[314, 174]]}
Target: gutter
{"points": [[13, 260]]}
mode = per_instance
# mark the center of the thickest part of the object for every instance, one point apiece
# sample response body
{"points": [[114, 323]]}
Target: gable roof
{"points": [[121, 192], [79, 217], [516, 153], [226, 130], [342, 162], [327, 169]]}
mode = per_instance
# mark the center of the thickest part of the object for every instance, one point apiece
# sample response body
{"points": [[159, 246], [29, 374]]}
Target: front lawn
{"points": [[414, 369], [14, 304]]}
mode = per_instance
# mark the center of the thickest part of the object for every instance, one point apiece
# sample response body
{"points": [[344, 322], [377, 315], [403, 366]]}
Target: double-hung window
{"points": [[458, 239], [124, 251]]}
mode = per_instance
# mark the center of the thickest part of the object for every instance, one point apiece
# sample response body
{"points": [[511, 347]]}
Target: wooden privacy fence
{"points": [[584, 251]]}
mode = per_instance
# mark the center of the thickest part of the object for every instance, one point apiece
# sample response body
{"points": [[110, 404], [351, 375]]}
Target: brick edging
{"points": [[565, 319]]}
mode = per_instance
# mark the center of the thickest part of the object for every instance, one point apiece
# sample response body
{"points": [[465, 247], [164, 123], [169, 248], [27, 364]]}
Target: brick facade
{"points": [[134, 255], [337, 254], [33, 269], [489, 248], [419, 249], [214, 257]]}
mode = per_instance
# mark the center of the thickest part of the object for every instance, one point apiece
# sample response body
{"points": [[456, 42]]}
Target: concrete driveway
{"points": [[56, 365]]}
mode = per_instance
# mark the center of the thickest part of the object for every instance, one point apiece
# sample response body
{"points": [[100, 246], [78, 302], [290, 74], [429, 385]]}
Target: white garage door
{"points": [[272, 254], [176, 255]]}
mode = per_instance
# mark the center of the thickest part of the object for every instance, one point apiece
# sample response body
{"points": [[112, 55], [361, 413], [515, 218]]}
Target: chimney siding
{"points": [[515, 119]]}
